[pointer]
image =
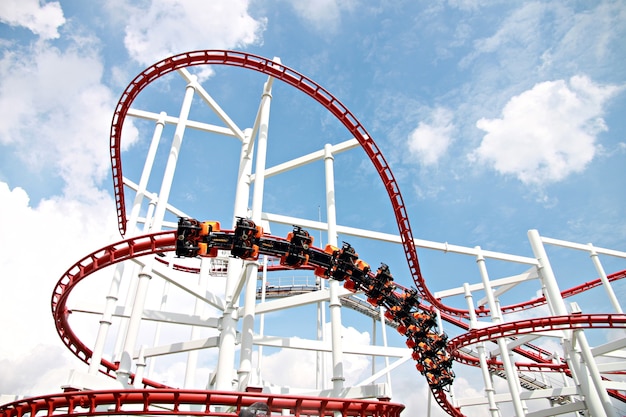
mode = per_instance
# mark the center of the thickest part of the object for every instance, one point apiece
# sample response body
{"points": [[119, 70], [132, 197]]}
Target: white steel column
{"points": [[252, 268], [554, 297], [333, 285], [383, 324], [262, 320], [320, 363], [482, 357], [605, 280], [112, 297], [496, 317], [587, 356], [145, 174], [166, 185], [228, 334], [198, 311], [106, 320]]}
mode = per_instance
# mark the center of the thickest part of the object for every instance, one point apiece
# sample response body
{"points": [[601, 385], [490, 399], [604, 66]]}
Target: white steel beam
{"points": [[613, 349], [206, 97], [171, 348], [315, 345], [204, 127], [391, 238], [312, 157]]}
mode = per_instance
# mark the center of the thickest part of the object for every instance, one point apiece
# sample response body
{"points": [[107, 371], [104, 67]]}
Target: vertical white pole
{"points": [[252, 268], [374, 337], [590, 362], [482, 357], [157, 330], [333, 285], [192, 356], [166, 185], [145, 174], [228, 335], [141, 366], [131, 274], [112, 297], [384, 332], [553, 296], [605, 280], [320, 382], [106, 320], [496, 317], [321, 335], [262, 319]]}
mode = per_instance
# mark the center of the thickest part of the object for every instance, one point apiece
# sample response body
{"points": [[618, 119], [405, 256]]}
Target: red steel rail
{"points": [[302, 83], [169, 401], [85, 403], [125, 250]]}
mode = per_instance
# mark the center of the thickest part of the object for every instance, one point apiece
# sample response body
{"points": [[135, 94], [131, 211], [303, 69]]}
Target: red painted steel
{"points": [[85, 403], [170, 401], [302, 83], [538, 325]]}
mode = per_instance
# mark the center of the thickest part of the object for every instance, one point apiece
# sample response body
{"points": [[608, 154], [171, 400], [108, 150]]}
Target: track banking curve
{"points": [[168, 241], [302, 83], [328, 101], [150, 244]]}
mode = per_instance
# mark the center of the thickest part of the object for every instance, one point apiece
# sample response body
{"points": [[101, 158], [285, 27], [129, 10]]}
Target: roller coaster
{"points": [[241, 256], [414, 320]]}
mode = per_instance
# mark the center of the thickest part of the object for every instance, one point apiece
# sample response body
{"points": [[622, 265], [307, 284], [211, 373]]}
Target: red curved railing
{"points": [[169, 401], [125, 250], [85, 403], [537, 325], [328, 101], [302, 83], [109, 255]]}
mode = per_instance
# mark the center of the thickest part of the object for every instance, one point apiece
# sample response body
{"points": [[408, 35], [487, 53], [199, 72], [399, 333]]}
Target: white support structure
{"points": [[238, 316]]}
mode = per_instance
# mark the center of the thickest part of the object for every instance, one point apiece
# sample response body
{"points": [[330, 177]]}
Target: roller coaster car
{"points": [[411, 298], [188, 234], [360, 277], [416, 331], [323, 271], [410, 343], [299, 243], [343, 262], [437, 380], [402, 307], [440, 379], [437, 340], [350, 285], [426, 319], [381, 286], [245, 239], [430, 364], [206, 247]]}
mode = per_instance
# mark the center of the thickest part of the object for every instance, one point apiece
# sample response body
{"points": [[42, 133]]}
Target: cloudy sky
{"points": [[496, 117]]}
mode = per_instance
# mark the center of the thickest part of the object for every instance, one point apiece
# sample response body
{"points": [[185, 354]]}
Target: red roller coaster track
{"points": [[144, 402]]}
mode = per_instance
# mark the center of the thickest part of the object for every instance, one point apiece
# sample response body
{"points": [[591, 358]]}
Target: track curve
{"points": [[188, 402], [165, 241], [125, 250], [302, 83]]}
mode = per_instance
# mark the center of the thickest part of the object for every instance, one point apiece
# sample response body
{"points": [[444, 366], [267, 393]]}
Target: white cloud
{"points": [[546, 133], [295, 368], [168, 27], [323, 15], [58, 113], [42, 19], [38, 244], [428, 142]]}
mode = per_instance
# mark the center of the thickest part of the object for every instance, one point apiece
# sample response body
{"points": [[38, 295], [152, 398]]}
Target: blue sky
{"points": [[496, 117]]}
